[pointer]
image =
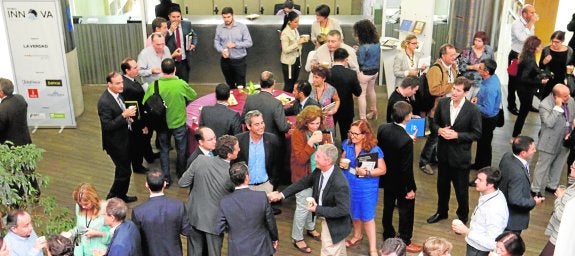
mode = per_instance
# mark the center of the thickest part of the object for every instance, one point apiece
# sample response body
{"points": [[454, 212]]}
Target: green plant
{"points": [[252, 88], [20, 188]]}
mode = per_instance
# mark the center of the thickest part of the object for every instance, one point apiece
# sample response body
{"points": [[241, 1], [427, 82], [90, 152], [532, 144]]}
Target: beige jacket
{"points": [[291, 50]]}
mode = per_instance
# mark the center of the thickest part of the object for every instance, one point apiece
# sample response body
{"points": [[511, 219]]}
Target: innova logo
{"points": [[31, 14]]}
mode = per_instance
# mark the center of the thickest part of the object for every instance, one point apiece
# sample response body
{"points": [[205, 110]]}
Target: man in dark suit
{"points": [[140, 134], [345, 82], [160, 211], [209, 180], [206, 144], [270, 107], [219, 117], [459, 124], [404, 92], [399, 184], [126, 239], [115, 120], [301, 92], [331, 192], [256, 235], [275, 122], [257, 143], [13, 115], [181, 41], [515, 183]]}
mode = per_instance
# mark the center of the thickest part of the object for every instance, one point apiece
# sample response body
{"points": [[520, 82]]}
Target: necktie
{"points": [[121, 103], [320, 189], [210, 153], [178, 43], [527, 169], [566, 114]]}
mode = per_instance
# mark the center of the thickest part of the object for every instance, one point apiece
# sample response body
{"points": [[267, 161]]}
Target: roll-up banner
{"points": [[36, 43]]}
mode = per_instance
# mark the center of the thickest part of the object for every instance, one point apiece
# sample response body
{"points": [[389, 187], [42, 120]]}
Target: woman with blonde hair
{"points": [[436, 246], [305, 139], [407, 59], [363, 180], [90, 233]]}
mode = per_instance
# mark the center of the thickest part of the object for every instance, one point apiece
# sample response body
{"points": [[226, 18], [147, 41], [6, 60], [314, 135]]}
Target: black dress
{"points": [[557, 65]]}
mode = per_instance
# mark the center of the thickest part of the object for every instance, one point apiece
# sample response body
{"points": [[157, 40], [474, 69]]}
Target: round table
{"points": [[193, 112]]}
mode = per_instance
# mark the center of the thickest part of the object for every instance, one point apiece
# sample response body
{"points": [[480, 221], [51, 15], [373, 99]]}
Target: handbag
{"points": [[500, 118], [570, 141], [513, 67]]}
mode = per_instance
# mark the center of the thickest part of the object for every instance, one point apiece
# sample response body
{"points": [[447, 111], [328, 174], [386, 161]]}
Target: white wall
{"points": [[564, 14], [6, 63]]}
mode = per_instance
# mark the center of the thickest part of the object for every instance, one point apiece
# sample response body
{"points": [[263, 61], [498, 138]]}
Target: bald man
{"points": [[557, 112]]}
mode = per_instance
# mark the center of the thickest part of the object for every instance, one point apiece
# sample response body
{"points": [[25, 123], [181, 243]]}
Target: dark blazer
{"points": [[193, 157], [397, 147], [294, 109], [171, 39], [394, 98], [345, 82], [457, 152], [271, 148], [114, 127], [528, 73], [221, 120], [126, 241], [251, 224], [163, 10], [161, 221], [272, 111], [133, 91], [516, 187], [14, 120], [336, 202]]}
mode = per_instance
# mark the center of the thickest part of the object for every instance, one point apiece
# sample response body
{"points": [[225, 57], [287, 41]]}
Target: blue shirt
{"points": [[257, 162], [237, 33], [368, 57], [18, 245], [489, 96]]}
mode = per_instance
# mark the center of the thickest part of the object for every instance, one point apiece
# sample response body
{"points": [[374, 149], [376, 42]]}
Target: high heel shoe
{"points": [[371, 115]]}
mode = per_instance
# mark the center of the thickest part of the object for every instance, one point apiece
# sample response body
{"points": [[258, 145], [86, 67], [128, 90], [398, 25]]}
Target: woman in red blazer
{"points": [[304, 140]]}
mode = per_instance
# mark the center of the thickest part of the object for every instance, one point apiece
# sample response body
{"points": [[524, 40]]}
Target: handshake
{"points": [[274, 196]]}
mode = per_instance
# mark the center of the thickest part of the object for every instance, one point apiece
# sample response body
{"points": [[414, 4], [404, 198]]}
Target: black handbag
{"points": [[500, 118], [570, 141]]}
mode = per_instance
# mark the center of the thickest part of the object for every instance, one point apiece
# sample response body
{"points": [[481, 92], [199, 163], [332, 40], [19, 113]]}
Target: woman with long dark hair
{"points": [[291, 50], [368, 59], [555, 58], [530, 80]]}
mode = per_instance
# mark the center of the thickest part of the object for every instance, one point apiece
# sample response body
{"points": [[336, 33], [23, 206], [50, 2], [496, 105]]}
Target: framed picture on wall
{"points": [[418, 27]]}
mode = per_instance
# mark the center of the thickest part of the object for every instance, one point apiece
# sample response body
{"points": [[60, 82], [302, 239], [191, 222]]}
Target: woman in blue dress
{"points": [[363, 181]]}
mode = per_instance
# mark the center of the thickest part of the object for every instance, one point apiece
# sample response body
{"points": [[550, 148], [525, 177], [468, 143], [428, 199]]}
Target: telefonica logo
{"points": [[30, 14]]}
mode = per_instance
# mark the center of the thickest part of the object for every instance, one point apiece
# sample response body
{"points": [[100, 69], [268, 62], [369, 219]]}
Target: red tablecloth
{"points": [[193, 112]]}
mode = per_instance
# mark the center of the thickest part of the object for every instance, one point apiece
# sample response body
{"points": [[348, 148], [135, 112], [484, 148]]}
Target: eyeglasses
{"points": [[416, 43], [556, 42], [354, 134]]}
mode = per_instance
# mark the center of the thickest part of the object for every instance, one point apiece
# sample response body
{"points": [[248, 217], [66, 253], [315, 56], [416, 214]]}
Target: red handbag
{"points": [[513, 67]]}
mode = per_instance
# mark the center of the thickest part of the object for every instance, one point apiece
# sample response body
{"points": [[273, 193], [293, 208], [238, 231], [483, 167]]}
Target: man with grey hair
{"points": [[13, 115], [126, 237], [393, 246], [150, 64], [276, 123], [324, 53], [209, 180], [260, 150], [331, 199]]}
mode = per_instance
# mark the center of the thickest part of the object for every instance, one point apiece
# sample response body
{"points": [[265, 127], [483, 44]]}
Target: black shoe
{"points": [[141, 169], [533, 109], [436, 218], [276, 211], [513, 110], [129, 199], [152, 158], [550, 190]]}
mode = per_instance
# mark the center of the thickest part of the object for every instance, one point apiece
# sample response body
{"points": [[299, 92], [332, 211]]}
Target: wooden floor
{"points": [[76, 155]]}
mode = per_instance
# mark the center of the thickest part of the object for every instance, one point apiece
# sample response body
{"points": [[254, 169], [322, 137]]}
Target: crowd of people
{"points": [[234, 175]]}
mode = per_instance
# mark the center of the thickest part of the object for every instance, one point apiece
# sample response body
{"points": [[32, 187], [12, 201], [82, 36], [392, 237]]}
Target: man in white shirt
{"points": [[21, 238], [521, 29], [490, 216], [324, 54]]}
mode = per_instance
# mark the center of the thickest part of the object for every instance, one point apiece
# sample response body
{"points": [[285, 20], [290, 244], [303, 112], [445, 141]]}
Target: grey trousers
{"points": [[201, 243], [548, 170]]}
